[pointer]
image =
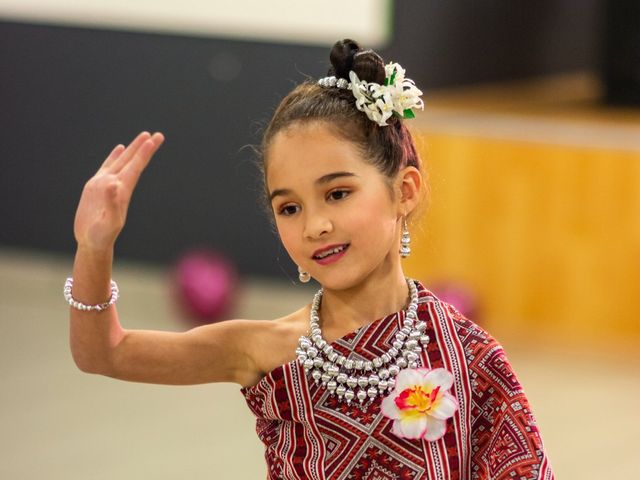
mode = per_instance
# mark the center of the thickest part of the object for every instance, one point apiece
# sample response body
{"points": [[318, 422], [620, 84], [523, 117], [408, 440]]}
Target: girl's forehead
{"points": [[306, 152]]}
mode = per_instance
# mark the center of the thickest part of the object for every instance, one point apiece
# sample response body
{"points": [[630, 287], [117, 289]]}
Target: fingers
{"points": [[118, 164], [131, 172], [113, 156]]}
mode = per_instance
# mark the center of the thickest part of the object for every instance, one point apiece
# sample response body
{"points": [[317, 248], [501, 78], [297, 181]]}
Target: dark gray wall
{"points": [[68, 95]]}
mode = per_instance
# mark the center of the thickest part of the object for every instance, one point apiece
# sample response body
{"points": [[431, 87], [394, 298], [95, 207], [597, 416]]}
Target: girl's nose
{"points": [[317, 226]]}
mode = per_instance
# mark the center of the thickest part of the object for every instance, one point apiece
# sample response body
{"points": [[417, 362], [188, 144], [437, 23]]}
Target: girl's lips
{"points": [[333, 257]]}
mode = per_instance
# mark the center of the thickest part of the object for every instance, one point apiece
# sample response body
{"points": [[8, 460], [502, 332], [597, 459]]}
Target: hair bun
{"points": [[341, 57], [369, 66], [347, 55]]}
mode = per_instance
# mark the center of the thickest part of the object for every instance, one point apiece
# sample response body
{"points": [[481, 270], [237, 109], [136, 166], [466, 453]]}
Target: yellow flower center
{"points": [[417, 399]]}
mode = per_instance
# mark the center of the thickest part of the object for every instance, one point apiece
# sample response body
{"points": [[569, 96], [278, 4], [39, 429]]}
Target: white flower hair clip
{"points": [[397, 96]]}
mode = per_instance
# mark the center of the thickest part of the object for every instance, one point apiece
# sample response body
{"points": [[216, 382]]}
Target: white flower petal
{"points": [[409, 377], [440, 377], [389, 408], [411, 428], [446, 406], [435, 429]]}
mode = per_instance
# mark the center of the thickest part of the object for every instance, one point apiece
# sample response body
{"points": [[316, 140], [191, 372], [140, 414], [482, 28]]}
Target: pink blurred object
{"points": [[205, 285], [459, 296]]}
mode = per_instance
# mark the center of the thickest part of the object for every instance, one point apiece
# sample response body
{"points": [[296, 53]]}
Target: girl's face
{"points": [[335, 213]]}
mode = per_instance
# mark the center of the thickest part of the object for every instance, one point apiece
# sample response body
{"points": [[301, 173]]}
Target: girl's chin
{"points": [[341, 280]]}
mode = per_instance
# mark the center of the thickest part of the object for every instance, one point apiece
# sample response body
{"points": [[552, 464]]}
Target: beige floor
{"points": [[58, 423]]}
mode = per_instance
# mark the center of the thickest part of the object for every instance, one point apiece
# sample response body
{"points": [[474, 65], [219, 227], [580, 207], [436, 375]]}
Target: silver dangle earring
{"points": [[303, 276], [405, 241]]}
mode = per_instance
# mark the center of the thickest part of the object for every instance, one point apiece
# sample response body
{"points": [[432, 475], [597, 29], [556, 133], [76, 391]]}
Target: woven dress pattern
{"points": [[308, 434]]}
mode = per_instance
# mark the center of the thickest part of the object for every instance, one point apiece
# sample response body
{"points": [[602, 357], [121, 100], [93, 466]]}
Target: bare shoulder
{"points": [[271, 343]]}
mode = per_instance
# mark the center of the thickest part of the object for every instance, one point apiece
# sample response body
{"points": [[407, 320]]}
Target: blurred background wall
{"points": [[78, 79]]}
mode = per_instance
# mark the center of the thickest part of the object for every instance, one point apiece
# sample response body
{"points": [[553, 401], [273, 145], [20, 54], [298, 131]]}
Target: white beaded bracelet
{"points": [[81, 306]]}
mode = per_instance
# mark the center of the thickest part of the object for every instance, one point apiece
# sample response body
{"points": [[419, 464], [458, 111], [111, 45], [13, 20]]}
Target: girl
{"points": [[376, 377]]}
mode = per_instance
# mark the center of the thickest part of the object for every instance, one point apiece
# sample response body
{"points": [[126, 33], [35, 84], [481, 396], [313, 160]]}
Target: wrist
{"points": [[86, 249]]}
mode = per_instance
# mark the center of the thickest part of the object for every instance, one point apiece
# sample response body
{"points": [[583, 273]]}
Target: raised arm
{"points": [[98, 342]]}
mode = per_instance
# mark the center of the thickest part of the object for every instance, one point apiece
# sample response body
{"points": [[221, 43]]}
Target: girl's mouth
{"points": [[331, 255]]}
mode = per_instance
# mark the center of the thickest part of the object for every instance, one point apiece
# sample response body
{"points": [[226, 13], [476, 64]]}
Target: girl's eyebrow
{"points": [[332, 176], [320, 181]]}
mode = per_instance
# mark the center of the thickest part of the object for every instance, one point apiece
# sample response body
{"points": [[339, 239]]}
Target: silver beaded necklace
{"points": [[361, 379]]}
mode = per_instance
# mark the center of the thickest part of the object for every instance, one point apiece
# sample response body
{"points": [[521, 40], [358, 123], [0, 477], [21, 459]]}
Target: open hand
{"points": [[103, 206]]}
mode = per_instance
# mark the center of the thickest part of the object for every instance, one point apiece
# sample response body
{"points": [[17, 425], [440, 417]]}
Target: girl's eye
{"points": [[338, 194], [288, 210]]}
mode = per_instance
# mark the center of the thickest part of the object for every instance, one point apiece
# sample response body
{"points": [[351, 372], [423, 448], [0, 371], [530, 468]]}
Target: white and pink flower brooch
{"points": [[420, 403]]}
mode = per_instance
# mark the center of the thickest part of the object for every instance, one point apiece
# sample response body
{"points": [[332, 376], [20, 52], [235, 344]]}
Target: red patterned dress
{"points": [[308, 434]]}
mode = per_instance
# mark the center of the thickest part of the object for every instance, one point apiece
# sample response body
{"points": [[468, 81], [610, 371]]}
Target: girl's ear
{"points": [[409, 189]]}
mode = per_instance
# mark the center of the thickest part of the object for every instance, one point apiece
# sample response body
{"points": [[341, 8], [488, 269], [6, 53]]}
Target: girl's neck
{"points": [[349, 309]]}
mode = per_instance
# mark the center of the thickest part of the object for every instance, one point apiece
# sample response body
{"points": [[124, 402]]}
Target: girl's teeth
{"points": [[330, 252]]}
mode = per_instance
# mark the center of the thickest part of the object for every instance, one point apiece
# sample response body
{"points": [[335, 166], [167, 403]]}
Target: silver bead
{"points": [[317, 362], [391, 383], [412, 357], [401, 336], [316, 374], [321, 343], [352, 381], [401, 362], [316, 338], [421, 326], [359, 365], [368, 366], [332, 385], [424, 339], [385, 357], [408, 323], [348, 395], [397, 344], [414, 335], [384, 373], [372, 392], [341, 359], [326, 366], [342, 377], [333, 357], [393, 352], [340, 389], [377, 362], [362, 394], [327, 349], [312, 352], [382, 386], [411, 344], [308, 363], [363, 381], [333, 370], [394, 370], [413, 365], [325, 377], [348, 364], [374, 380]]}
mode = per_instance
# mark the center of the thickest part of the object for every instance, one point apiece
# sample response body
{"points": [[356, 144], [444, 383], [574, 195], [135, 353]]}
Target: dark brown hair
{"points": [[389, 148]]}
